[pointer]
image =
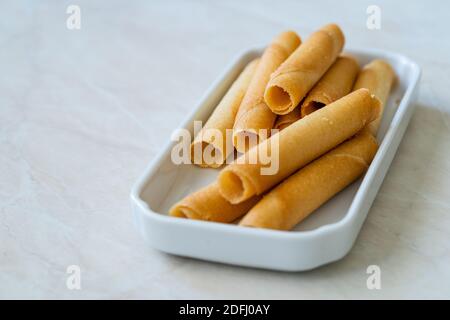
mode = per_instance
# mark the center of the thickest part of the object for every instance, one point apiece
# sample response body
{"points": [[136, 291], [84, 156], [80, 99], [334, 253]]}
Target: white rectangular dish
{"points": [[325, 236]]}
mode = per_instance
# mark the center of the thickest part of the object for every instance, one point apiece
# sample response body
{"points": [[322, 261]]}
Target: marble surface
{"points": [[82, 112]]}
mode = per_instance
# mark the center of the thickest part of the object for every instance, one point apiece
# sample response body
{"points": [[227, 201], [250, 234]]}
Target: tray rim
{"points": [[321, 231]]}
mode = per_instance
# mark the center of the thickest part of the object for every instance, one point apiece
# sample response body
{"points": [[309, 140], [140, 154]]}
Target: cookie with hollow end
{"points": [[253, 113], [213, 134], [208, 204], [290, 83], [335, 83], [306, 190], [287, 119], [377, 76], [299, 144]]}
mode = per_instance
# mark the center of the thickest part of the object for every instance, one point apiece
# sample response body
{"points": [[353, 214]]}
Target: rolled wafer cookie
{"points": [[208, 204], [377, 76], [306, 190], [211, 139], [335, 83], [297, 145], [253, 113], [286, 120], [290, 83]]}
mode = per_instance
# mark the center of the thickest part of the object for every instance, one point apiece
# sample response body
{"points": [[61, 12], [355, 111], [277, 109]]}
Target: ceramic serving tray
{"points": [[326, 235]]}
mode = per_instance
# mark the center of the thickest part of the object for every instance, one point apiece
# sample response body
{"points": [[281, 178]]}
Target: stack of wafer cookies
{"points": [[327, 109]]}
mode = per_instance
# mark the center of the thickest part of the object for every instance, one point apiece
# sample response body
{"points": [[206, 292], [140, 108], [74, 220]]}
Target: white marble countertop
{"points": [[83, 111]]}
